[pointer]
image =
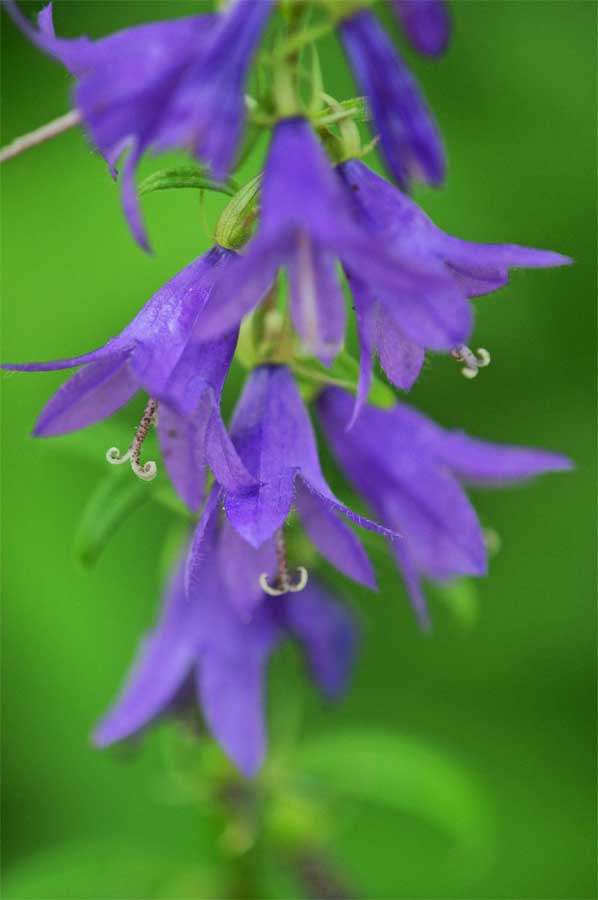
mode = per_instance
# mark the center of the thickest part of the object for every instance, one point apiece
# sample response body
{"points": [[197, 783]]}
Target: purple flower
{"points": [[406, 230], [202, 645], [427, 24], [411, 472], [307, 224], [164, 86], [272, 434], [409, 139], [161, 352]]}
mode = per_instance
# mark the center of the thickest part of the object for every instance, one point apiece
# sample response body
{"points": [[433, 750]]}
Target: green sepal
{"points": [[356, 108], [235, 225], [344, 373], [182, 177]]}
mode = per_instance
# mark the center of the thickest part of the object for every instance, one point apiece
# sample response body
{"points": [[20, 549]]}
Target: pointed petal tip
{"points": [[142, 241], [101, 736], [543, 259], [43, 428], [248, 766], [555, 462]]}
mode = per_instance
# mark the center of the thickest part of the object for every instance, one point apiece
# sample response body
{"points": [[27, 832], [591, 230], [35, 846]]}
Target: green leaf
{"points": [[103, 869], [182, 177], [403, 774], [116, 497], [344, 372]]}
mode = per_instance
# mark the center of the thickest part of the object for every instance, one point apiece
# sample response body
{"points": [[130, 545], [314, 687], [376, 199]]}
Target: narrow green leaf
{"points": [[114, 500], [182, 177]]}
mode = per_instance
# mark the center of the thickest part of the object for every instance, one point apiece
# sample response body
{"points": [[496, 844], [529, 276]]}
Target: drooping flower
{"points": [[409, 139], [177, 84], [273, 436], [405, 229], [161, 352], [307, 224], [411, 472], [427, 24], [202, 646]]}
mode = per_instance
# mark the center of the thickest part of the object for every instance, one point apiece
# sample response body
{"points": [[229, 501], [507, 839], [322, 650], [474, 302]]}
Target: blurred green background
{"points": [[511, 698]]}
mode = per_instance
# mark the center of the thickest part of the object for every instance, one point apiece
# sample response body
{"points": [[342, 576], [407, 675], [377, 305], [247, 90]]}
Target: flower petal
{"points": [[412, 580], [230, 687], [232, 655], [323, 493], [335, 540], [484, 463], [317, 301], [241, 566], [401, 359], [427, 24], [202, 544], [408, 136], [245, 284], [182, 444], [90, 395], [326, 631], [164, 661], [130, 198], [411, 492], [273, 436]]}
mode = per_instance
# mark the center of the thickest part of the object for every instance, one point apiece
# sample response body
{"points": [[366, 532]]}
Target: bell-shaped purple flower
{"points": [[275, 445], [409, 139], [307, 224], [411, 472], [202, 646], [161, 352], [405, 229], [168, 85], [427, 24]]}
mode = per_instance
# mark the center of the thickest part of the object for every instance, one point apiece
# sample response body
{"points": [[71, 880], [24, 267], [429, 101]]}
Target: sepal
{"points": [[182, 177]]}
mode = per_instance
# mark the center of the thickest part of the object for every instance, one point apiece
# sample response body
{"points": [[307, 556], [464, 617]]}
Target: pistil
{"points": [[284, 583], [149, 470], [473, 361]]}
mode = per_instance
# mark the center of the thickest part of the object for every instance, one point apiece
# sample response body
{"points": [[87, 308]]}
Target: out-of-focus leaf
{"points": [[91, 444], [462, 599], [88, 871], [182, 177], [404, 774], [115, 498], [344, 372]]}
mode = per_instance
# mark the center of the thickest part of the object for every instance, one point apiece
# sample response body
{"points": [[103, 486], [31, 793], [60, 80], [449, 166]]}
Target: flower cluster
{"points": [[326, 220]]}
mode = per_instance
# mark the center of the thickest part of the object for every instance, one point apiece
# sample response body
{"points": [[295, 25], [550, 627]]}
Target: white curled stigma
{"points": [[149, 470], [283, 584], [473, 361]]}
